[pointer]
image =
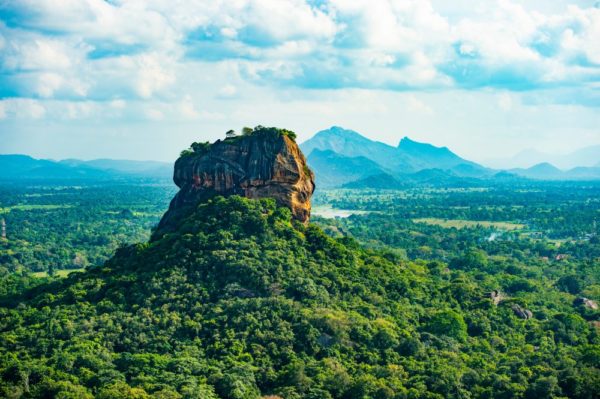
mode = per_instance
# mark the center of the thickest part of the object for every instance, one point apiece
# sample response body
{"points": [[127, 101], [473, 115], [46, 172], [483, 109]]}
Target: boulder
{"points": [[588, 303], [522, 313], [496, 297]]}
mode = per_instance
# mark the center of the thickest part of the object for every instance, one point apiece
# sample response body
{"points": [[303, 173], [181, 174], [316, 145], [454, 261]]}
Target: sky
{"points": [[142, 79]]}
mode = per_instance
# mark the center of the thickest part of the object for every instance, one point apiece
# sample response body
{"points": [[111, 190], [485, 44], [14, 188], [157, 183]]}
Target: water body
{"points": [[327, 211]]}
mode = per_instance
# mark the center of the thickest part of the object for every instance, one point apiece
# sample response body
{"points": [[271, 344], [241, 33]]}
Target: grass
{"points": [[58, 273], [461, 224]]}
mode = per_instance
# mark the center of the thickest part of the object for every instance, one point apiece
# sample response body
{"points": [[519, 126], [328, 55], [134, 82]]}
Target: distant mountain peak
{"points": [[408, 157], [586, 156], [407, 143], [544, 166], [338, 131], [17, 166]]}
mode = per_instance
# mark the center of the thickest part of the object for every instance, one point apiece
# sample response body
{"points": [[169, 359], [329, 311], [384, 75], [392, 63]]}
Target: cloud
{"points": [[418, 106], [152, 75], [118, 104], [227, 92], [505, 102], [188, 109], [95, 50], [263, 23], [154, 114], [21, 108]]}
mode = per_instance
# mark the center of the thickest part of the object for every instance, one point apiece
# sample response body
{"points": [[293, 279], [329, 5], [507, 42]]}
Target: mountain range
{"points": [[583, 157], [15, 166], [344, 158], [408, 156], [340, 158]]}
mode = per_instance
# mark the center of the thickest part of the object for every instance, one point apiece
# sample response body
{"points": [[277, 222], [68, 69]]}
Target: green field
{"points": [[58, 273], [461, 224]]}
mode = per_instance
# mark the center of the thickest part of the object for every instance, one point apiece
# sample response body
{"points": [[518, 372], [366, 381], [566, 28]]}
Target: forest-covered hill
{"points": [[241, 302]]}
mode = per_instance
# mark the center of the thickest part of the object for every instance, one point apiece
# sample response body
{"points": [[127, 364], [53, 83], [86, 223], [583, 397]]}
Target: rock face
{"points": [[263, 163], [525, 314], [496, 297], [588, 303]]}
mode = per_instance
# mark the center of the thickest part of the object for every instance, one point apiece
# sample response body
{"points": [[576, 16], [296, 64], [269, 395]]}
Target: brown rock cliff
{"points": [[264, 163]]}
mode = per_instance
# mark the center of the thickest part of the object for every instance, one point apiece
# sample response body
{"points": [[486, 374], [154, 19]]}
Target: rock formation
{"points": [[588, 303], [525, 314], [262, 163], [496, 297]]}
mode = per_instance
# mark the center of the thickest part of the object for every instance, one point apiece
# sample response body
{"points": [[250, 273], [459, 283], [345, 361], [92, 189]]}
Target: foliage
{"points": [[57, 227], [196, 148], [269, 131], [200, 147], [241, 302]]}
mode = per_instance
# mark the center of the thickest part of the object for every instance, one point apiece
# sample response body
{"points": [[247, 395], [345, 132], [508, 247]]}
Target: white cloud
{"points": [[30, 109], [227, 91], [21, 108], [32, 52], [152, 76], [154, 114], [125, 22], [158, 52], [79, 110], [48, 83], [118, 104], [418, 106], [188, 109], [583, 40], [505, 101], [394, 34]]}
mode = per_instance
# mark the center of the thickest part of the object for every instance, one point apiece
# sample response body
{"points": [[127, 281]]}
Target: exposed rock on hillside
{"points": [[522, 313], [496, 297], [588, 303], [262, 163]]}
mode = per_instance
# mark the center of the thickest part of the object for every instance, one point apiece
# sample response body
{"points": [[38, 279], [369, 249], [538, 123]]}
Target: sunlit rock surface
{"points": [[263, 164]]}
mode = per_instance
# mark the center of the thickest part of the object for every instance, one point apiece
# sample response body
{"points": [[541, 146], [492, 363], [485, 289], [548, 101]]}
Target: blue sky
{"points": [[142, 79]]}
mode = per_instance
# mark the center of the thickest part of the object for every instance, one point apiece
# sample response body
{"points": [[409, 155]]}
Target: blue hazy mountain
{"points": [[383, 181], [547, 171], [25, 167], [120, 166], [22, 167], [422, 178], [409, 157], [351, 144], [342, 157], [336, 170], [584, 173], [427, 156], [540, 171], [583, 157]]}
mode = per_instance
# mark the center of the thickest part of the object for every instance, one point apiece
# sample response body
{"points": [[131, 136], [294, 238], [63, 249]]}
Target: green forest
{"points": [[241, 302], [299, 199], [52, 226]]}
